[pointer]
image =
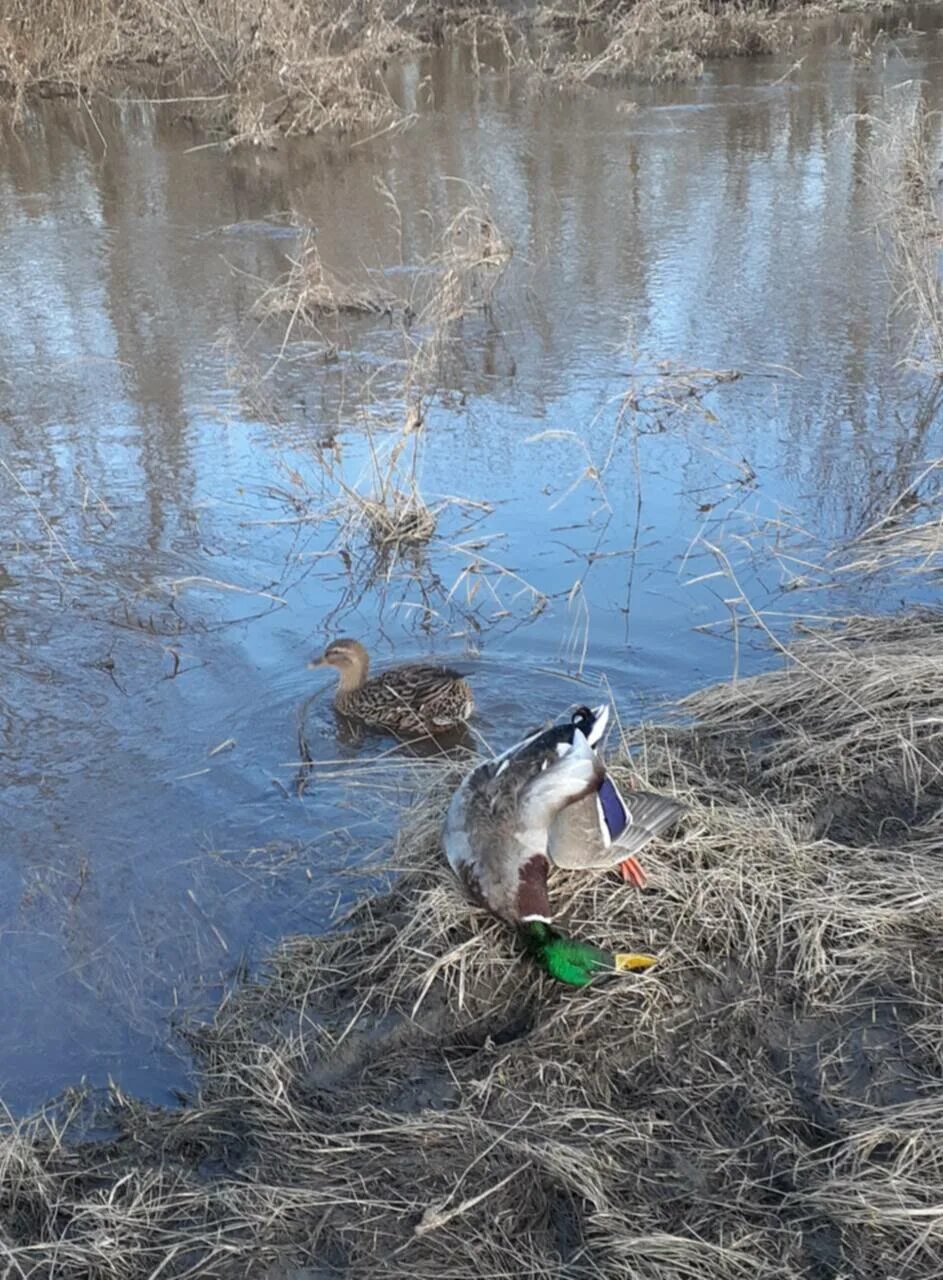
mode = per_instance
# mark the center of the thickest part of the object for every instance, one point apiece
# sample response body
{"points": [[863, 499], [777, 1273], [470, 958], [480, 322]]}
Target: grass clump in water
{"points": [[408, 1096], [311, 291]]}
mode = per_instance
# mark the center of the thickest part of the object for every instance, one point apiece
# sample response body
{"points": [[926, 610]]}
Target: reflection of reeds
{"points": [[381, 509], [408, 1096], [903, 179]]}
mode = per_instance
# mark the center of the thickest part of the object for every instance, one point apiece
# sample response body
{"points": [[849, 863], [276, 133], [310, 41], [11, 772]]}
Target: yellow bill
{"points": [[633, 961]]}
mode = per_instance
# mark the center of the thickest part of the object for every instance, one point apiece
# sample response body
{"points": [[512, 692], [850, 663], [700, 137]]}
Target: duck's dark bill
{"points": [[632, 873]]}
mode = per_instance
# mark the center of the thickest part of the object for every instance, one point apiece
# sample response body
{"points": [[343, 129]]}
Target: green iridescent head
{"points": [[575, 963]]}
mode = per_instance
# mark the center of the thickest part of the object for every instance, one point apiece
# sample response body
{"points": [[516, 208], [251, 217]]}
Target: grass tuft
{"points": [[902, 173]]}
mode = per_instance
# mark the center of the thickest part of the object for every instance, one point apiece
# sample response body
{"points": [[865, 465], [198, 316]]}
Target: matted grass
{"points": [[407, 1096]]}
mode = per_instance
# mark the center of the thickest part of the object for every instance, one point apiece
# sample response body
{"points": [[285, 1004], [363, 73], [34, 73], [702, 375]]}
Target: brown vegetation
{"points": [[408, 1096], [903, 175], [260, 68], [310, 291]]}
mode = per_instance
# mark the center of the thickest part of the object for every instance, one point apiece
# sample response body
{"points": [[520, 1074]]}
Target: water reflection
{"points": [[162, 582]]}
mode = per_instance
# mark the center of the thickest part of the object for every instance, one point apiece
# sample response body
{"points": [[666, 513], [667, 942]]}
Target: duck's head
{"points": [[348, 656], [573, 962]]}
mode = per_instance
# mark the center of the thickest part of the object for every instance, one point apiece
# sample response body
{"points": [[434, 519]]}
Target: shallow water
{"points": [[162, 576]]}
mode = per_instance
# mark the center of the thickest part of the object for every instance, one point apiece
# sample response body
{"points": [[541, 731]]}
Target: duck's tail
{"points": [[576, 963]]}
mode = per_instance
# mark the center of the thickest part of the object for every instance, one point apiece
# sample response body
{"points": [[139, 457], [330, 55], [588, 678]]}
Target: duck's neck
{"points": [[353, 674]]}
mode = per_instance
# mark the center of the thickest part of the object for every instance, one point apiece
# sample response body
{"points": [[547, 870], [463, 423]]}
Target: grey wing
{"points": [[579, 840], [569, 773], [649, 816]]}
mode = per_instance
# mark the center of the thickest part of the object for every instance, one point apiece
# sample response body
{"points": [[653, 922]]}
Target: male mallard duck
{"points": [[497, 831], [605, 829], [411, 700]]}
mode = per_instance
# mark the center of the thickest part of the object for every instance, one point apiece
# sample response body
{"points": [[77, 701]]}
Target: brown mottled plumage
{"points": [[412, 700]]}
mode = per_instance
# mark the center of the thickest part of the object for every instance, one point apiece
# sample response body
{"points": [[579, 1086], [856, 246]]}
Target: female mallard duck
{"points": [[411, 700], [498, 827]]}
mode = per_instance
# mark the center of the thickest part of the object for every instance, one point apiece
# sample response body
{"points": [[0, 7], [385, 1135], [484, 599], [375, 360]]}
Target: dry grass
{"points": [[907, 540], [407, 1096], [853, 720], [903, 165], [913, 548], [310, 292], [901, 551], [269, 66], [465, 271], [260, 68], [654, 40], [389, 507], [897, 550]]}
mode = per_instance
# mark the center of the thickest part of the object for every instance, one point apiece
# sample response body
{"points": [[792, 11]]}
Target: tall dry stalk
{"points": [[903, 165], [384, 502]]}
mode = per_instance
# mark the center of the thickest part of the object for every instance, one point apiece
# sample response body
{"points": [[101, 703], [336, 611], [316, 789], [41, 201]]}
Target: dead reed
{"points": [[906, 541], [260, 68], [269, 67], [388, 505], [408, 1096], [903, 163], [309, 291], [654, 41]]}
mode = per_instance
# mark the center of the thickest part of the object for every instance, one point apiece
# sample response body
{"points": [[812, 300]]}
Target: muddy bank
{"points": [[407, 1096], [258, 71]]}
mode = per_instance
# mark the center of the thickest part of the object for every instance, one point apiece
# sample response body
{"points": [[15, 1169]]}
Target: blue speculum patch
{"points": [[613, 808]]}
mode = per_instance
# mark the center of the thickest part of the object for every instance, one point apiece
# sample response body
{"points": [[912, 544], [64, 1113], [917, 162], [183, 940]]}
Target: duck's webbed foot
{"points": [[632, 873]]}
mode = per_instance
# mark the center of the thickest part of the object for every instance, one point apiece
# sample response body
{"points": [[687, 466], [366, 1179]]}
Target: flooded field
{"points": [[689, 375]]}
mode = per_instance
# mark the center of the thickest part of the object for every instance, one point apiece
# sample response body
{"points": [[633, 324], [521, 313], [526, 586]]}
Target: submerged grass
{"points": [[268, 67], [408, 1096]]}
